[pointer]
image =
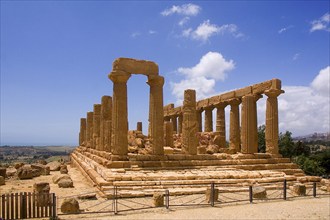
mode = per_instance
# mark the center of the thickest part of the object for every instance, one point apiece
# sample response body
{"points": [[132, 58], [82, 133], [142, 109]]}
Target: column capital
{"points": [[221, 105], [273, 92], [208, 107], [118, 76], [155, 80], [234, 102]]}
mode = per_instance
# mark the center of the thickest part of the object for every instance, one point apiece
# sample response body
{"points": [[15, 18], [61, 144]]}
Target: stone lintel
{"points": [[227, 95], [168, 107], [244, 91], [202, 103], [135, 66], [214, 100], [276, 84]]}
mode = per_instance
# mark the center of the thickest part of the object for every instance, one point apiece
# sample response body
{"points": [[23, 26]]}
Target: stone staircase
{"points": [[141, 175]]}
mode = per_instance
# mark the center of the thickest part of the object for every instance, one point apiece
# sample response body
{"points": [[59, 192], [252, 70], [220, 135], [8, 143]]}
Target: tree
{"points": [[286, 145], [261, 139]]}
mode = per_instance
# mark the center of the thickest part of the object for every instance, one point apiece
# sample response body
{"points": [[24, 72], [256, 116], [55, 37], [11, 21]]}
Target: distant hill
{"points": [[313, 137]]}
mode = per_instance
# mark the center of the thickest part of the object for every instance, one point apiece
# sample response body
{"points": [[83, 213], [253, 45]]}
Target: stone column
{"points": [[105, 134], [249, 135], [156, 114], [119, 142], [89, 130], [189, 129], [168, 134], [234, 127], [96, 126], [175, 123], [271, 133], [180, 121], [221, 123], [199, 119], [82, 133], [208, 121], [139, 126]]}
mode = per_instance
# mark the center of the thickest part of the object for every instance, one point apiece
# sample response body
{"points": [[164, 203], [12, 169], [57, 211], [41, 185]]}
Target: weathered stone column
{"points": [[119, 142], [168, 134], [208, 121], [175, 123], [234, 127], [221, 123], [96, 126], [189, 129], [139, 126], [89, 130], [199, 119], [271, 133], [82, 133], [249, 129], [180, 121], [105, 134], [156, 114]]}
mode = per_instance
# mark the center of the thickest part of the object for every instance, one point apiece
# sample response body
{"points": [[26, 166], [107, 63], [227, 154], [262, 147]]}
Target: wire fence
{"points": [[141, 197]]}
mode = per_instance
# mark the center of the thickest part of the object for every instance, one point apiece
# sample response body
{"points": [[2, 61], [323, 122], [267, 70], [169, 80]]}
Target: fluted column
{"points": [[168, 134], [82, 133], [271, 133], [175, 123], [221, 123], [234, 127], [156, 114], [139, 126], [105, 132], [199, 119], [119, 143], [208, 121], [96, 126], [89, 130], [189, 129], [180, 121], [249, 135]]}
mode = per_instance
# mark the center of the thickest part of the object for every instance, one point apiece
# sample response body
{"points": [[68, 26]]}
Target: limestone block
{"points": [[70, 206], [298, 189], [201, 149], [135, 66], [228, 95], [168, 150], [58, 177], [212, 149], [158, 199], [261, 87], [244, 91], [89, 196], [259, 192], [65, 183], [54, 166], [133, 149], [41, 189], [43, 162], [44, 170], [25, 172], [63, 169], [11, 171], [208, 194], [2, 180], [18, 165], [3, 171]]}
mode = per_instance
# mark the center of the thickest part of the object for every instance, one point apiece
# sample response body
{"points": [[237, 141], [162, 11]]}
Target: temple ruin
{"points": [[176, 149]]}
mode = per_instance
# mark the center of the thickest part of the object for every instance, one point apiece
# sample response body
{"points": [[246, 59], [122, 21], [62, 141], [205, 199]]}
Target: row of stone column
{"points": [[243, 135], [95, 129]]}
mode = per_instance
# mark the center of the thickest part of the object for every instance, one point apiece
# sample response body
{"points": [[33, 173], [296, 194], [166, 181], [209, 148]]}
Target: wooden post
{"points": [[12, 205]]}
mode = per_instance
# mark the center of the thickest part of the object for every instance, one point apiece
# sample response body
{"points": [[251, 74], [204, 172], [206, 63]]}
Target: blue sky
{"points": [[56, 55]]}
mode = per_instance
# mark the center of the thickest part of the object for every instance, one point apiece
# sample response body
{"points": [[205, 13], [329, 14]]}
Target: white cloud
{"points": [[321, 82], [285, 29], [206, 30], [183, 21], [303, 109], [203, 76], [321, 24], [186, 9]]}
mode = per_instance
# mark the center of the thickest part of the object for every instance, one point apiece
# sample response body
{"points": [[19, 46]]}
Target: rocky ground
{"points": [[298, 208]]}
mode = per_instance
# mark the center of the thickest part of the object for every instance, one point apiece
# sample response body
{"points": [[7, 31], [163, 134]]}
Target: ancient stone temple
{"points": [[180, 148]]}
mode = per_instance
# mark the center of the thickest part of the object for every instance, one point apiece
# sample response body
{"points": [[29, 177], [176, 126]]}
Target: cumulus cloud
{"points": [[205, 30], [185, 9], [183, 21], [202, 77], [303, 109], [321, 24]]}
